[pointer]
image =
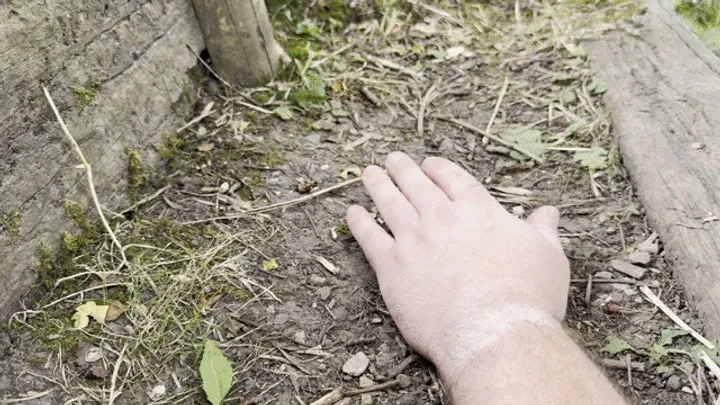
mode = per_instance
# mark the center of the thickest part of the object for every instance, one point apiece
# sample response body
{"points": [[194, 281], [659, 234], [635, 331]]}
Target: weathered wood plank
{"points": [[136, 51], [240, 39], [664, 93]]}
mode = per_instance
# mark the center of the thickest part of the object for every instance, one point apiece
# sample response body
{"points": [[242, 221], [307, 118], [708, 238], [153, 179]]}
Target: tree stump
{"points": [[240, 40]]}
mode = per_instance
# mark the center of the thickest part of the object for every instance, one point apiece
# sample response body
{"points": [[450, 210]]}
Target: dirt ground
{"points": [[284, 288]]}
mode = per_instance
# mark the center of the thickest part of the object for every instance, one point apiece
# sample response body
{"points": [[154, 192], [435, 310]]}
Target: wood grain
{"points": [[665, 97]]}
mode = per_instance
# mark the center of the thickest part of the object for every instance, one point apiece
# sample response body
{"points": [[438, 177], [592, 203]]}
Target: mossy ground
{"points": [[703, 16]]}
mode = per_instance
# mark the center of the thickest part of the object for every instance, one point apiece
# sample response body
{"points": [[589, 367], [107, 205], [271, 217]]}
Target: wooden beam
{"points": [[240, 40], [664, 88]]}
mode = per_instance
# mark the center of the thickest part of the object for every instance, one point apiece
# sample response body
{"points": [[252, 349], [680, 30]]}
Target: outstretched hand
{"points": [[458, 270]]}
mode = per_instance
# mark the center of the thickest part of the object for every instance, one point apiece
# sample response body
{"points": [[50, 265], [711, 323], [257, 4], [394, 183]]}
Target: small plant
{"points": [[137, 171], [11, 223], [86, 94]]}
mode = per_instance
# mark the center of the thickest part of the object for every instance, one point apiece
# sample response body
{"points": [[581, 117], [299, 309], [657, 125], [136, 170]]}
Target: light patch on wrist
{"points": [[483, 331]]}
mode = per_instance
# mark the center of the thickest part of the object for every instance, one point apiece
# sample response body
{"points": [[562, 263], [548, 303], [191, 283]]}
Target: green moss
{"points": [[77, 215], [312, 93], [342, 229], [86, 94], [272, 158], [262, 97], [137, 171], [704, 19], [172, 146], [11, 223]]}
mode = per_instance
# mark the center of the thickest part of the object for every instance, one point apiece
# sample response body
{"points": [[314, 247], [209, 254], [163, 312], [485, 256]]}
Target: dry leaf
{"points": [[84, 312], [345, 173], [114, 311], [305, 186]]}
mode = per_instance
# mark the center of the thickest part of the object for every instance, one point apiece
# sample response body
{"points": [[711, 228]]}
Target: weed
{"points": [[11, 223], [86, 94]]}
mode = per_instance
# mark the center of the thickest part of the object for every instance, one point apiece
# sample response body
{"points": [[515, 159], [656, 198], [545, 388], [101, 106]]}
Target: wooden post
{"points": [[240, 40]]}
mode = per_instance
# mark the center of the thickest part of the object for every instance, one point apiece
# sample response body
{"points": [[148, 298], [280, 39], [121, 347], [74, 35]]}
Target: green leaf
{"points": [[658, 353], [284, 112], [662, 369], [567, 96], [668, 335], [337, 109], [595, 158], [598, 86], [527, 138], [615, 345], [270, 264], [687, 367], [355, 171], [216, 373]]}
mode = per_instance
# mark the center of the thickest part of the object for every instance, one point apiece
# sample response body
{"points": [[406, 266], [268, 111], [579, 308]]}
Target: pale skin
{"points": [[474, 289]]}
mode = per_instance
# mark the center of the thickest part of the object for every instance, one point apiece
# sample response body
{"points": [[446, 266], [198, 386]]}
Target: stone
{"points": [[366, 399], [157, 392], [640, 257], [365, 382], [316, 279], [356, 364], [674, 383]]}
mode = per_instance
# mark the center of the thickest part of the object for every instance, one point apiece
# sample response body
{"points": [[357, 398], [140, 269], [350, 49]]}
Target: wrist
{"points": [[463, 349]]}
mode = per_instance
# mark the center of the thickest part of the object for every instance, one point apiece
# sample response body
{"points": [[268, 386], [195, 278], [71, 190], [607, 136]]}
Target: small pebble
{"points": [[674, 383], [157, 392], [317, 279], [365, 382], [356, 364], [366, 399], [697, 145]]}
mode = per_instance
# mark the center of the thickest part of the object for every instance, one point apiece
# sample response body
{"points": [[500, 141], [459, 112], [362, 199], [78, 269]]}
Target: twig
{"points": [[588, 290], [497, 139], [145, 200], [603, 281], [116, 370], [282, 204], [714, 368], [97, 287], [371, 96], [402, 381], [436, 10], [394, 66], [330, 55], [495, 112], [679, 322], [226, 83], [424, 103], [395, 371], [88, 172], [28, 398], [329, 398], [623, 364]]}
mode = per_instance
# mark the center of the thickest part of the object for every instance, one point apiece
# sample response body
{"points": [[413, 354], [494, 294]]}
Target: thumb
{"points": [[545, 219]]}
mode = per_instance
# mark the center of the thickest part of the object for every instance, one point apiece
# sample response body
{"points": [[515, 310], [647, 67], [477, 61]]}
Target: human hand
{"points": [[458, 271]]}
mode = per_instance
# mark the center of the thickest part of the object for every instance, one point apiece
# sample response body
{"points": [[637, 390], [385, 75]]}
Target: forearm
{"points": [[532, 365]]}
